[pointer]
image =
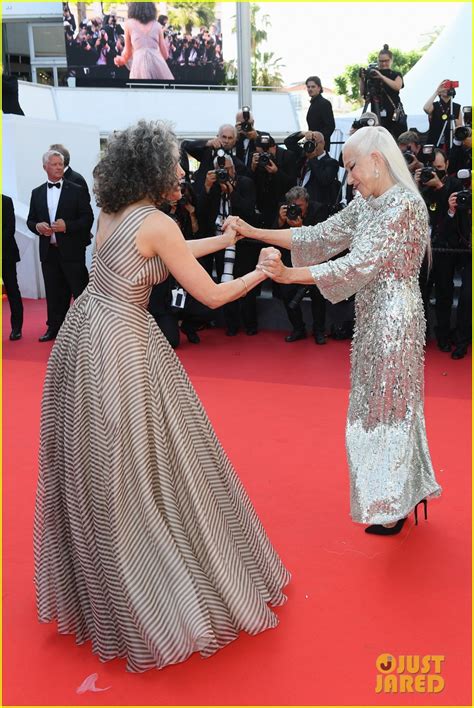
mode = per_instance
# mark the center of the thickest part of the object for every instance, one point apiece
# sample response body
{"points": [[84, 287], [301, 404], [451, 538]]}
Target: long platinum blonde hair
{"points": [[376, 138]]}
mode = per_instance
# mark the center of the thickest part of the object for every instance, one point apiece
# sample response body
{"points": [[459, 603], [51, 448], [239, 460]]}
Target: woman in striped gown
{"points": [[145, 540]]}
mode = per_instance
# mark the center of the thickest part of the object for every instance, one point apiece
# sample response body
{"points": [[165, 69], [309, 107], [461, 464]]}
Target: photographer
{"points": [[435, 187], [299, 211], [410, 144], [460, 231], [460, 155], [273, 170], [381, 87], [205, 151], [316, 170], [320, 117], [246, 137], [225, 193], [440, 112]]}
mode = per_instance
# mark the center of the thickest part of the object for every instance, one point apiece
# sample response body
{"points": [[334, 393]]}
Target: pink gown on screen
{"points": [[149, 51]]}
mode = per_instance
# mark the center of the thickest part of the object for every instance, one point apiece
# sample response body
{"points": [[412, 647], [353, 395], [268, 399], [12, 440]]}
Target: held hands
{"points": [[270, 263], [241, 226]]}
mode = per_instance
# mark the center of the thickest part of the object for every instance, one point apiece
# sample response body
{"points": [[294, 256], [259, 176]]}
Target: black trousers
{"points": [[463, 333], [192, 317], [244, 310], [62, 280], [295, 314], [10, 281]]}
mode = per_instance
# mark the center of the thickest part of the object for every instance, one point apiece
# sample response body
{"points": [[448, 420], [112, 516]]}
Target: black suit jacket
{"points": [[75, 209], [242, 203], [10, 252], [321, 118], [271, 188], [323, 185], [76, 178]]}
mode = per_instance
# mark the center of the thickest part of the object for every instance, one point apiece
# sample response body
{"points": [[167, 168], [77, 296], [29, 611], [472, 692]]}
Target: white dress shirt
{"points": [[53, 194]]}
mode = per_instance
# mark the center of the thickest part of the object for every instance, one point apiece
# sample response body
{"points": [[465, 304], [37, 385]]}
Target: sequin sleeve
{"points": [[315, 244], [380, 236]]}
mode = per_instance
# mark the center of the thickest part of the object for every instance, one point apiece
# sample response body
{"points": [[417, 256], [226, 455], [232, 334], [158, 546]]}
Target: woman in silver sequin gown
{"points": [[385, 229]]}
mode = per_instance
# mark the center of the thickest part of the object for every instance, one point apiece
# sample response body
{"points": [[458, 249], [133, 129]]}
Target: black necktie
{"points": [[54, 184]]}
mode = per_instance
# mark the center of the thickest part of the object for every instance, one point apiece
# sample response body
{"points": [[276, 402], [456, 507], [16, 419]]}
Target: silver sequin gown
{"points": [[387, 450]]}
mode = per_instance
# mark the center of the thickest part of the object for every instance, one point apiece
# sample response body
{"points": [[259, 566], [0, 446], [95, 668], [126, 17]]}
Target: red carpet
{"points": [[279, 410]]}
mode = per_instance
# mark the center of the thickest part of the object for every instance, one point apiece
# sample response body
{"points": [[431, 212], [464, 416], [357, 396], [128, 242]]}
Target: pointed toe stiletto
{"points": [[381, 530]]}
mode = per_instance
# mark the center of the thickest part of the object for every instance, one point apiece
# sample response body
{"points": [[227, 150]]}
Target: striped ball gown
{"points": [[145, 540]]}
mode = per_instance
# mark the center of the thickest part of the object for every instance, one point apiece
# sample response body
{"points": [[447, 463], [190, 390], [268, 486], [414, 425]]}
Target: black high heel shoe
{"points": [[381, 530], [415, 510]]}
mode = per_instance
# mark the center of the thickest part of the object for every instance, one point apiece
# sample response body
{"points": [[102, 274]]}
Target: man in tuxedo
{"points": [[10, 257], [317, 171], [61, 214], [320, 116], [69, 173]]}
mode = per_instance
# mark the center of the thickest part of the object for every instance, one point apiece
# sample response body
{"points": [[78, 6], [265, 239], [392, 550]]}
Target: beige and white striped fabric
{"points": [[145, 540]]}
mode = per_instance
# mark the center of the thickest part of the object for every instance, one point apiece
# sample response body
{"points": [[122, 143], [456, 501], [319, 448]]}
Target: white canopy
{"points": [[449, 57]]}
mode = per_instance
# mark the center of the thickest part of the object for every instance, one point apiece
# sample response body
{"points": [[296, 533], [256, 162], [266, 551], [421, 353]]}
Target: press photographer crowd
{"points": [[102, 48], [243, 171]]}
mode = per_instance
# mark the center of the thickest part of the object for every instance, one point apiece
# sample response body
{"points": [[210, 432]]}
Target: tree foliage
{"points": [[266, 68], [191, 14]]}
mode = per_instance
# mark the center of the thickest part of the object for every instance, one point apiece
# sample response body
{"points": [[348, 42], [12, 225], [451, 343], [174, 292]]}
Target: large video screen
{"points": [[143, 42]]}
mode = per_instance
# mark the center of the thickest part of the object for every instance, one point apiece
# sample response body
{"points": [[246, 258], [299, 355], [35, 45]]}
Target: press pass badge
{"points": [[178, 298]]}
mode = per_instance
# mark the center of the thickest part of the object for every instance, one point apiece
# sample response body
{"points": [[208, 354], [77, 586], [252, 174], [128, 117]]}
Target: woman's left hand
{"points": [[271, 264], [230, 234]]}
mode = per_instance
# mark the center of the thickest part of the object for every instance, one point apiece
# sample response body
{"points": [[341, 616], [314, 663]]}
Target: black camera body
{"points": [[464, 200], [409, 156], [264, 159], [246, 126], [221, 172], [293, 212], [426, 174], [309, 146], [467, 115], [363, 122]]}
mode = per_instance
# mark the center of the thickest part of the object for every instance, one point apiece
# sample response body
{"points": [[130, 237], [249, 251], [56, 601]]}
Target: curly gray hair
{"points": [[138, 163]]}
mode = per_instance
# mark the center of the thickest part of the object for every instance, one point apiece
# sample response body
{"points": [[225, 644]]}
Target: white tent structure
{"points": [[449, 57]]}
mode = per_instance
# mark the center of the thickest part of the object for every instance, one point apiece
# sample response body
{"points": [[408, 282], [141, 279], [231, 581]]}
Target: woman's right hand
{"points": [[119, 61]]}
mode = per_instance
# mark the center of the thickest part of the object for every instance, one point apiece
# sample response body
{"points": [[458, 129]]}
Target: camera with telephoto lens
{"points": [[363, 122], [372, 83], [293, 212], [309, 146], [221, 172], [246, 126], [462, 132], [467, 115]]}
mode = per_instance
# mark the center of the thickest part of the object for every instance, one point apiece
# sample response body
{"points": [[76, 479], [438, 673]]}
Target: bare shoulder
{"points": [[157, 232]]}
